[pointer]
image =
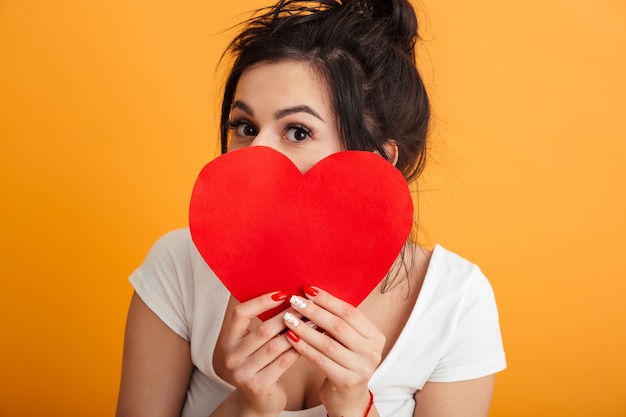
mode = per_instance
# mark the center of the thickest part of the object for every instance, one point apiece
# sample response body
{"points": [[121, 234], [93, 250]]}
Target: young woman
{"points": [[310, 79]]}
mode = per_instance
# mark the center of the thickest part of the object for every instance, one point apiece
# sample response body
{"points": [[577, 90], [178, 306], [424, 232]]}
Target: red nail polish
{"points": [[308, 290], [294, 337], [279, 296]]}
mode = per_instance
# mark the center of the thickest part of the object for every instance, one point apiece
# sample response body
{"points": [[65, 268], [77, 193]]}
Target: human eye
{"points": [[242, 128], [297, 133]]}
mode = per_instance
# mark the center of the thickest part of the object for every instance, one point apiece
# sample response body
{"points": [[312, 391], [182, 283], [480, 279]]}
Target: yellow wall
{"points": [[107, 113]]}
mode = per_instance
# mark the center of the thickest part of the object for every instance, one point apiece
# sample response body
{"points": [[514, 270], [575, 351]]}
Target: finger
{"points": [[346, 311], [247, 364], [329, 356], [336, 326], [243, 313], [263, 344], [280, 364], [257, 382], [346, 345], [321, 342], [251, 353], [341, 351]]}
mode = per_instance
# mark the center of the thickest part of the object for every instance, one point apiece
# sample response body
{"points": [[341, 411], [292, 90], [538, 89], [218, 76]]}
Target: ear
{"points": [[391, 148]]}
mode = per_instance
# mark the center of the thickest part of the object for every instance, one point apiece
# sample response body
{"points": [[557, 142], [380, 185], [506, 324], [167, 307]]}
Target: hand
{"points": [[347, 352], [257, 359]]}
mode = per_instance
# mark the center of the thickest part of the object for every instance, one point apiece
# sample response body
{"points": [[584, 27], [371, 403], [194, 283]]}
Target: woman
{"points": [[310, 79]]}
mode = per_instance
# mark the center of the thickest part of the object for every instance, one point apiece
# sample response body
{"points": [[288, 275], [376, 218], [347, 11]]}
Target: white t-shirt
{"points": [[452, 333]]}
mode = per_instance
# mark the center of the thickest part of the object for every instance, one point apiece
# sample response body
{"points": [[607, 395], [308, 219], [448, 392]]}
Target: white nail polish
{"points": [[297, 302], [291, 319]]}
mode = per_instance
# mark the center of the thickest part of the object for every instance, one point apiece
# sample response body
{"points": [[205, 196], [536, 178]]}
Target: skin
{"points": [[275, 106], [286, 106]]}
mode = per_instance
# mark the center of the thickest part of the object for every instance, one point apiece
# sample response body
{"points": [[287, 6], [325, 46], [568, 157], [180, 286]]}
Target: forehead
{"points": [[285, 80]]}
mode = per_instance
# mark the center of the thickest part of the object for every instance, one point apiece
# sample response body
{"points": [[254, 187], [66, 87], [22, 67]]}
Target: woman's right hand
{"points": [[256, 359]]}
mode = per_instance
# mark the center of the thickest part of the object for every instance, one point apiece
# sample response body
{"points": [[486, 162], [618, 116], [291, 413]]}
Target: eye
{"points": [[243, 128], [297, 133]]}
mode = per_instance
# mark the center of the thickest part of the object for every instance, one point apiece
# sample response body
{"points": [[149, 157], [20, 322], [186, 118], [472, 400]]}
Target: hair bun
{"points": [[397, 18], [364, 8]]}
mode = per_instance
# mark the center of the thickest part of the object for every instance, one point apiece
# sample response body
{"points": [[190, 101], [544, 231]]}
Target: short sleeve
{"points": [[474, 348], [164, 281]]}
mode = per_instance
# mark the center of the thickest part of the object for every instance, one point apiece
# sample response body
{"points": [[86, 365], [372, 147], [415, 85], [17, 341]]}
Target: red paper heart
{"points": [[263, 226]]}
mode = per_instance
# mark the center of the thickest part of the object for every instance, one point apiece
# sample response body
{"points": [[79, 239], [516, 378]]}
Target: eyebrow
{"points": [[280, 113], [297, 109]]}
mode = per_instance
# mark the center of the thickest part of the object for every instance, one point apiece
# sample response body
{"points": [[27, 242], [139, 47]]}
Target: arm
{"points": [[156, 366], [452, 399]]}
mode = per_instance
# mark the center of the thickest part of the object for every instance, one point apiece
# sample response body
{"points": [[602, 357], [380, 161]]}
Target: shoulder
{"points": [[465, 304], [456, 276], [444, 261], [176, 243], [166, 280], [174, 251], [459, 290]]}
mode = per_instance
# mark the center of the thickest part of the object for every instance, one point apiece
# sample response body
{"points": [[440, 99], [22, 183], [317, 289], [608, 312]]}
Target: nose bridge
{"points": [[264, 138]]}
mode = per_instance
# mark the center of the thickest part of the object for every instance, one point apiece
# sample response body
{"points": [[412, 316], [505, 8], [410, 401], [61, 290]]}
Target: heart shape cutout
{"points": [[262, 226]]}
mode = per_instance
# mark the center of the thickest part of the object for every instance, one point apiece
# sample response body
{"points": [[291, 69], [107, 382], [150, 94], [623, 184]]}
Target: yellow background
{"points": [[107, 114]]}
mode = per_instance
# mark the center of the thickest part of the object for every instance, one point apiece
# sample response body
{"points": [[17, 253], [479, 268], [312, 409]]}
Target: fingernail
{"points": [[297, 302], [294, 337], [291, 319], [279, 296], [308, 290]]}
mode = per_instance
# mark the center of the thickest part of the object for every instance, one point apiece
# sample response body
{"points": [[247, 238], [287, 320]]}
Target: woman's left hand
{"points": [[347, 352]]}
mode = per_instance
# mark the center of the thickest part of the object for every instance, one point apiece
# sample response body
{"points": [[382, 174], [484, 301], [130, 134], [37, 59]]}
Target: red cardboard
{"points": [[262, 226]]}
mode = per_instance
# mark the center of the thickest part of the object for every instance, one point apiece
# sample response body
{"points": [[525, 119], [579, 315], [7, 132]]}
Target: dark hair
{"points": [[364, 50]]}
